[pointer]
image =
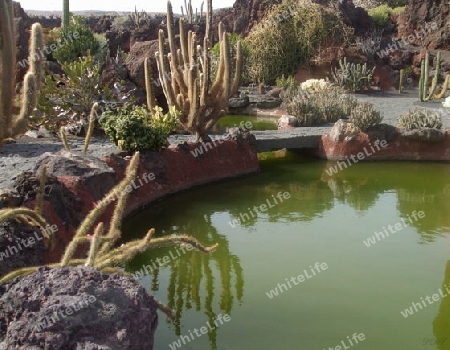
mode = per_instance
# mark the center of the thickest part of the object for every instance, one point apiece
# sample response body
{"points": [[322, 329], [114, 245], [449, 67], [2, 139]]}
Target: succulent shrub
{"points": [[364, 116], [396, 11], [67, 98], [351, 76], [290, 36], [380, 14], [323, 106], [73, 42], [418, 118], [312, 86], [286, 82], [132, 128]]}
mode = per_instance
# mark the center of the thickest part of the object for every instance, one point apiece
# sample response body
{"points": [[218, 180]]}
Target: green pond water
{"points": [[325, 220], [260, 123]]}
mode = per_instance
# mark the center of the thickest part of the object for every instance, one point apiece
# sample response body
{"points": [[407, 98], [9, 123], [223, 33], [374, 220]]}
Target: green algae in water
{"points": [[326, 220], [259, 123]]}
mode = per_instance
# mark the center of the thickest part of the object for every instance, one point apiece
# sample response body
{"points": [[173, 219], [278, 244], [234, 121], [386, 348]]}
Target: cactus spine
{"points": [[402, 80], [187, 85], [9, 125], [65, 20], [425, 93]]}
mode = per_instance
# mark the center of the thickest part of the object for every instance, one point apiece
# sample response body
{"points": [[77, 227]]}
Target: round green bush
{"points": [[132, 128], [364, 116], [70, 43], [289, 36]]}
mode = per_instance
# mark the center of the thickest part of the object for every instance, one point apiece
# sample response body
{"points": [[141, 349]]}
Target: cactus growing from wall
{"points": [[11, 125], [185, 76]]}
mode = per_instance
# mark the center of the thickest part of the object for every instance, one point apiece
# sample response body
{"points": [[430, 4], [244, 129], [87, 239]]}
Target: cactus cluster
{"points": [[11, 125], [426, 92], [365, 116], [327, 105], [191, 17], [351, 76], [138, 18], [185, 76], [418, 118]]}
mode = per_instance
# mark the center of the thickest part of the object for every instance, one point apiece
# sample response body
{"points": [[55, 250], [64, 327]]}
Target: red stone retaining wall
{"points": [[401, 148], [175, 169]]}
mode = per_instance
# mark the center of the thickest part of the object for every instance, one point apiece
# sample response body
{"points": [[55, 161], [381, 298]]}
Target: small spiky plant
{"points": [[418, 118], [364, 116]]}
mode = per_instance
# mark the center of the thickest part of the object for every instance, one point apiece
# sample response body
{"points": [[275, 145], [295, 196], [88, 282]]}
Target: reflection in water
{"points": [[441, 324], [422, 189], [193, 275], [213, 283]]}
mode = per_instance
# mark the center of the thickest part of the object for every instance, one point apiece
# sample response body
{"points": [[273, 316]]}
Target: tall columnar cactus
{"points": [[185, 76], [65, 20], [402, 80], [191, 18], [10, 125], [428, 93]]}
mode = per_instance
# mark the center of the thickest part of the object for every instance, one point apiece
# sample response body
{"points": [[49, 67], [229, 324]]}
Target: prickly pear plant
{"points": [[185, 76], [12, 125], [365, 116], [418, 118], [351, 76]]}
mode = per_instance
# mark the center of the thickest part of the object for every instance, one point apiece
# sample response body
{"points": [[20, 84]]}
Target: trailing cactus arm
{"points": [[444, 87], [6, 214], [435, 78], [95, 213]]}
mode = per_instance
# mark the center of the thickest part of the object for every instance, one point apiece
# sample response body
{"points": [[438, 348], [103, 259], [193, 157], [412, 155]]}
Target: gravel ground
{"points": [[392, 104], [21, 156]]}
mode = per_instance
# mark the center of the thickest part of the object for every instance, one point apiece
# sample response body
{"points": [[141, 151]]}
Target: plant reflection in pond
{"points": [[194, 275], [441, 324]]}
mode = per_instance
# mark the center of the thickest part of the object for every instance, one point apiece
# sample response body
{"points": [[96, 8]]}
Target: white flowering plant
{"points": [[313, 86]]}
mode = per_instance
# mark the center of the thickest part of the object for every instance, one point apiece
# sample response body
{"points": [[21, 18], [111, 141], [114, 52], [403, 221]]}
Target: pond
{"points": [[359, 259], [259, 123]]}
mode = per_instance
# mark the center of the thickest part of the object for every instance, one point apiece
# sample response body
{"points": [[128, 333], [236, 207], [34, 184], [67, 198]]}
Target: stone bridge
{"points": [[294, 139]]}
